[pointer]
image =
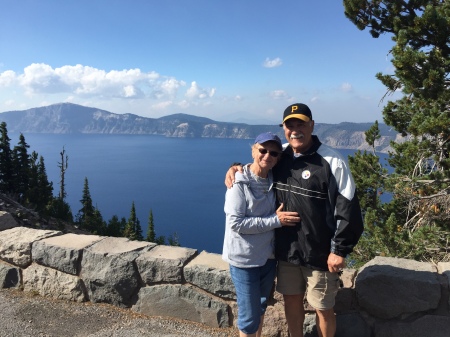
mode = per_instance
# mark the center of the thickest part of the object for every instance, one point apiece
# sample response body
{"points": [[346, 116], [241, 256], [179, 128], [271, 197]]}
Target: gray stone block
{"points": [[7, 221], [9, 276], [347, 325], [345, 301], [444, 269], [15, 244], [352, 325], [209, 272], [164, 264], [62, 252], [391, 287], [426, 326], [53, 283], [109, 272], [184, 302]]}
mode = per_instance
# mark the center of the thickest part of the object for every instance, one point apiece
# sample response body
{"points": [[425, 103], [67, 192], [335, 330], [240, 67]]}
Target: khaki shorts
{"points": [[320, 286]]}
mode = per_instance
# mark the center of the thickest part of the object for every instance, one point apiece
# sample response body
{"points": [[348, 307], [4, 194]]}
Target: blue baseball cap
{"points": [[269, 137]]}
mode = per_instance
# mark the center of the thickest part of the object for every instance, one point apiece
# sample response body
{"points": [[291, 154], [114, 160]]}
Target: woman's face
{"points": [[264, 155]]}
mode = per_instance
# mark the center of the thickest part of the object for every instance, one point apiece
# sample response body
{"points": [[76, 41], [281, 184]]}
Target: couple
{"points": [[297, 207]]}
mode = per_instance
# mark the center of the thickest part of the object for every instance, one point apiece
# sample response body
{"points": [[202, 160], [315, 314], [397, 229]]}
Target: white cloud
{"points": [[279, 94], [171, 86], [41, 78], [184, 104], [162, 105], [119, 91], [314, 99], [346, 87], [276, 62], [7, 78], [130, 91], [196, 92], [85, 81]]}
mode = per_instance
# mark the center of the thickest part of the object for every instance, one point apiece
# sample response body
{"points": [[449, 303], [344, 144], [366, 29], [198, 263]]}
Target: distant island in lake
{"points": [[66, 118]]}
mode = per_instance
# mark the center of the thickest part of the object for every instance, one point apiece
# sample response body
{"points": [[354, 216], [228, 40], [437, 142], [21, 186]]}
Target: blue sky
{"points": [[231, 60]]}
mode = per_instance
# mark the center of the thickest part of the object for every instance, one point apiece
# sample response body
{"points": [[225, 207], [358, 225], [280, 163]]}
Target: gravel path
{"points": [[25, 315]]}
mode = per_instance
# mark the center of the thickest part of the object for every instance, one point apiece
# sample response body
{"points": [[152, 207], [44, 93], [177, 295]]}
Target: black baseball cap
{"points": [[297, 110]]}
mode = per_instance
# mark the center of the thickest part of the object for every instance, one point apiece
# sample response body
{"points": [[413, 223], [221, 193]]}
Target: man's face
{"points": [[298, 133]]}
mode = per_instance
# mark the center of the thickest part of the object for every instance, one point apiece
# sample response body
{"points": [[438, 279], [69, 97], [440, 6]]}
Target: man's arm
{"points": [[349, 224], [229, 177]]}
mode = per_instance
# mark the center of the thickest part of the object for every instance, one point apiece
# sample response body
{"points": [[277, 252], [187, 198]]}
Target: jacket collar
{"points": [[313, 149]]}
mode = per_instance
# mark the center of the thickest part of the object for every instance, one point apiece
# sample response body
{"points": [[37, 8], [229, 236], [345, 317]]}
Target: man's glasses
{"points": [[271, 153]]}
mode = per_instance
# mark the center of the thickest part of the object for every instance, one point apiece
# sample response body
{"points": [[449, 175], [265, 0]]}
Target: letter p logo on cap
{"points": [[297, 110]]}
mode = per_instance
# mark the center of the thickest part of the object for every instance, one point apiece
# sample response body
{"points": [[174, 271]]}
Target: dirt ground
{"points": [[24, 314]]}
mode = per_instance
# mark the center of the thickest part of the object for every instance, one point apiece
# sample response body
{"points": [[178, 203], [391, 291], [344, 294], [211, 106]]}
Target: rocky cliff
{"points": [[72, 118]]}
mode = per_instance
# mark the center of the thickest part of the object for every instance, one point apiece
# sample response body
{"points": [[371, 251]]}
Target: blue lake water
{"points": [[180, 179]]}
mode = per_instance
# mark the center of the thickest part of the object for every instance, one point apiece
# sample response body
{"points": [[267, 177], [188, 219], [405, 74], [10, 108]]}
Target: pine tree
{"points": [[6, 165], [160, 240], [173, 240], [60, 209], [115, 226], [88, 217], [98, 224], [369, 173], [139, 235], [123, 225], [32, 194], [87, 208], [151, 235], [129, 231], [45, 187], [417, 220], [21, 168], [40, 191], [370, 178], [133, 229]]}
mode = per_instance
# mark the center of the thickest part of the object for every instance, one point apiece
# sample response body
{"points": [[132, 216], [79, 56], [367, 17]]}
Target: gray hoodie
{"points": [[250, 220]]}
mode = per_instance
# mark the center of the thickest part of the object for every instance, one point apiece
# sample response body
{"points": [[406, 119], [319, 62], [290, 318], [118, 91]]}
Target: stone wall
{"points": [[387, 297]]}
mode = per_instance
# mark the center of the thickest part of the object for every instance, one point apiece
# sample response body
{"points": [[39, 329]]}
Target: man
{"points": [[313, 180]]}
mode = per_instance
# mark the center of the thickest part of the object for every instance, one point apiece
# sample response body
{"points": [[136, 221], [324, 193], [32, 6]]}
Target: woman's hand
{"points": [[287, 218], [229, 177]]}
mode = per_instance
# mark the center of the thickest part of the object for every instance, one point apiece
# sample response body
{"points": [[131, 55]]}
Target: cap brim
{"points": [[298, 116]]}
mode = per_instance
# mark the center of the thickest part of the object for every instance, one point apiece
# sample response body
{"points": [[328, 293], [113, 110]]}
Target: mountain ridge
{"points": [[74, 118]]}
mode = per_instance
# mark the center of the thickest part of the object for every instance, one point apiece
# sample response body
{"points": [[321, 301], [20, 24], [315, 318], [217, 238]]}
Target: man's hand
{"points": [[229, 177], [335, 263], [287, 218]]}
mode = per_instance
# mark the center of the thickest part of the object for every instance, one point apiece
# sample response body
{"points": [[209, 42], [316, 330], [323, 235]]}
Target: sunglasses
{"points": [[271, 153]]}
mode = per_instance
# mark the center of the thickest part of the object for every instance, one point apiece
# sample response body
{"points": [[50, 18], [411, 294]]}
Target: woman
{"points": [[248, 244]]}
